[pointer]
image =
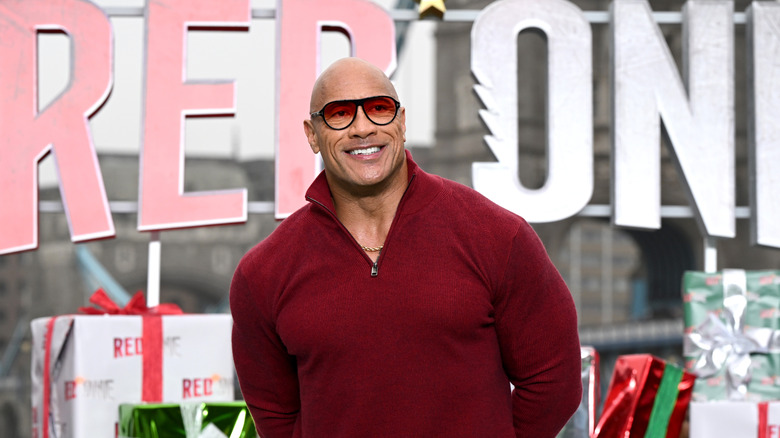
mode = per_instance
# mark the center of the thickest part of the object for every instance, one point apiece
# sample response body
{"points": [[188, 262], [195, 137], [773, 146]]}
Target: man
{"points": [[397, 303]]}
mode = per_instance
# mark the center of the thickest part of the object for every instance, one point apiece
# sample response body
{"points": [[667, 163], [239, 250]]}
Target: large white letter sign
{"points": [[169, 98], [27, 133], [763, 22], [700, 125], [300, 23], [569, 184]]}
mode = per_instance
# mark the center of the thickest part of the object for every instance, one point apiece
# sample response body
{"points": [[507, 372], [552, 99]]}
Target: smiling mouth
{"points": [[366, 151]]}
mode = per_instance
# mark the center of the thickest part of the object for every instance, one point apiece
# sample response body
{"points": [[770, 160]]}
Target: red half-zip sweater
{"points": [[462, 301]]}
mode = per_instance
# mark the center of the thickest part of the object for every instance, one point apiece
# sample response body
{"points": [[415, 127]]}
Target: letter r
{"points": [[186, 388], [29, 134]]}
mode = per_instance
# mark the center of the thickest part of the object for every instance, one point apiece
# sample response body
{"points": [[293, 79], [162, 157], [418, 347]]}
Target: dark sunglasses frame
{"points": [[358, 103]]}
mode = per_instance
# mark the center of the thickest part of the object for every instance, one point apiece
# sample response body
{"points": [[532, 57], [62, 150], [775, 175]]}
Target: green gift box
{"points": [[186, 420], [732, 334]]}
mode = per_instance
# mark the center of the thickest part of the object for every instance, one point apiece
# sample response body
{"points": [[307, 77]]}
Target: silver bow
{"points": [[717, 344], [192, 419], [192, 416]]}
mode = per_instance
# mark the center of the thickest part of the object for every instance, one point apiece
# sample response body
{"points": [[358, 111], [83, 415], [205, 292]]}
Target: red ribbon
{"points": [[46, 383], [152, 337], [152, 359], [136, 306], [152, 340], [763, 419]]}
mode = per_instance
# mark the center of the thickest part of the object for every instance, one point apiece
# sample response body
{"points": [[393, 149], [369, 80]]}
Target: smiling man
{"points": [[397, 303]]}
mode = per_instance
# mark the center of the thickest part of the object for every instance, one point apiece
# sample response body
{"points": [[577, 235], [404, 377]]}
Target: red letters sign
{"points": [[30, 133], [169, 98], [198, 387], [126, 347]]}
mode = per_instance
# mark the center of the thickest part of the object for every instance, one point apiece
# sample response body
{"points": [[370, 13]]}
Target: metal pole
{"points": [[153, 280], [710, 255]]}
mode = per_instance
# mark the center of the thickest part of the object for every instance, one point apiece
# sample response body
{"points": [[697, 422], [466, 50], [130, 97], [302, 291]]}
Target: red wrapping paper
{"points": [[631, 396], [152, 335], [46, 376]]}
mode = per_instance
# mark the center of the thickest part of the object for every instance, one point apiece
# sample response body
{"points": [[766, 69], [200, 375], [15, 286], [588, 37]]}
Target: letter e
{"points": [[162, 201]]}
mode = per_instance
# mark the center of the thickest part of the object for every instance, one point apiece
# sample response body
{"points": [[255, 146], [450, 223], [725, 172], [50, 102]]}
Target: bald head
{"points": [[350, 78]]}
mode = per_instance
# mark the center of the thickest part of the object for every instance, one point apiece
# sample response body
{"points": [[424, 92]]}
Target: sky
{"points": [[246, 57]]}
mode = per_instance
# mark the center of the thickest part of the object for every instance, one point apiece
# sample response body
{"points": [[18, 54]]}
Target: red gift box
{"points": [[647, 397]]}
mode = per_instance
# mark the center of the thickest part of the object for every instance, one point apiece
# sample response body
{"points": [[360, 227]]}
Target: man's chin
{"points": [[368, 186]]}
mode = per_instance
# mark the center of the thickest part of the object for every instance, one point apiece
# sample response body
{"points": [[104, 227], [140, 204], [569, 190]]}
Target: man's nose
{"points": [[362, 126]]}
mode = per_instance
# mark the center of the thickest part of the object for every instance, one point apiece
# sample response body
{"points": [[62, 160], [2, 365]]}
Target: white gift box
{"points": [[97, 362], [738, 419]]}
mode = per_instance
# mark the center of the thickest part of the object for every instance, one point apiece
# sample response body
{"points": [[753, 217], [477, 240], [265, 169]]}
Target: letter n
{"points": [[300, 24], [30, 133], [699, 120]]}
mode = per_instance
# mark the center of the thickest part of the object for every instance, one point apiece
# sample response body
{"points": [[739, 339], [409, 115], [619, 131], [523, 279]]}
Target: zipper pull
{"points": [[374, 270]]}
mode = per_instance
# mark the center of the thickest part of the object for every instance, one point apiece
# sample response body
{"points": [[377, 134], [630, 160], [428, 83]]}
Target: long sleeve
{"points": [[464, 302], [266, 373], [537, 330]]}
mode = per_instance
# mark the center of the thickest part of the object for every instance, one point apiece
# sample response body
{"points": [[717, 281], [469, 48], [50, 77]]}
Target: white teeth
{"points": [[365, 151]]}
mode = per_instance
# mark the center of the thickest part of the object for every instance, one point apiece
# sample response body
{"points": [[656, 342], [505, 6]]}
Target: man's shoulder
{"points": [[282, 239], [471, 202]]}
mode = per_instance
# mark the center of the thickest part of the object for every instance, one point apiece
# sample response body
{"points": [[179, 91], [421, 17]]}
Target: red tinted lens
{"points": [[380, 110], [339, 114]]}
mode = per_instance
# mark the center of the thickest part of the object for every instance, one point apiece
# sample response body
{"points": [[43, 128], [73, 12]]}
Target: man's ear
{"points": [[402, 119], [308, 128]]}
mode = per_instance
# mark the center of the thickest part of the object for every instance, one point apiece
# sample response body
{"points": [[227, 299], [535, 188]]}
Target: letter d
{"points": [[371, 33]]}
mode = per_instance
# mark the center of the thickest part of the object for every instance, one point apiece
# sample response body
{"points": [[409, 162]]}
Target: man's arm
{"points": [[266, 373], [536, 324]]}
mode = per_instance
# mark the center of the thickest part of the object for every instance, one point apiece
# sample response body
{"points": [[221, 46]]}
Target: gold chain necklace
{"points": [[371, 248]]}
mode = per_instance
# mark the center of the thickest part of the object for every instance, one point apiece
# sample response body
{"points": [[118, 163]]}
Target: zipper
{"points": [[374, 264]]}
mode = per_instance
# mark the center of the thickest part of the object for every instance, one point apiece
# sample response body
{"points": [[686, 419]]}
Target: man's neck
{"points": [[368, 216]]}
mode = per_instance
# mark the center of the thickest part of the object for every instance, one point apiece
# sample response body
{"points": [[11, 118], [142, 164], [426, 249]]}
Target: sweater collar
{"points": [[423, 187]]}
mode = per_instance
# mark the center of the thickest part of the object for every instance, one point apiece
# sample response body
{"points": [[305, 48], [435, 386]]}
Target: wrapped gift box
{"points": [[83, 367], [731, 321], [186, 420], [647, 397], [734, 419], [583, 421]]}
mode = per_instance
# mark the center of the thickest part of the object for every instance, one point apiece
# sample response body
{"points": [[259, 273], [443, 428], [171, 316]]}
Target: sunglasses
{"points": [[339, 114]]}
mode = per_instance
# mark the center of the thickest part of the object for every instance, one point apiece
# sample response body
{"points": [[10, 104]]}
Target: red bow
{"points": [[152, 335], [136, 306]]}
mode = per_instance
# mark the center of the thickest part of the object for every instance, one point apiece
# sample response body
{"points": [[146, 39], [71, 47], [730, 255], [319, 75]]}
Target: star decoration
{"points": [[431, 7]]}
